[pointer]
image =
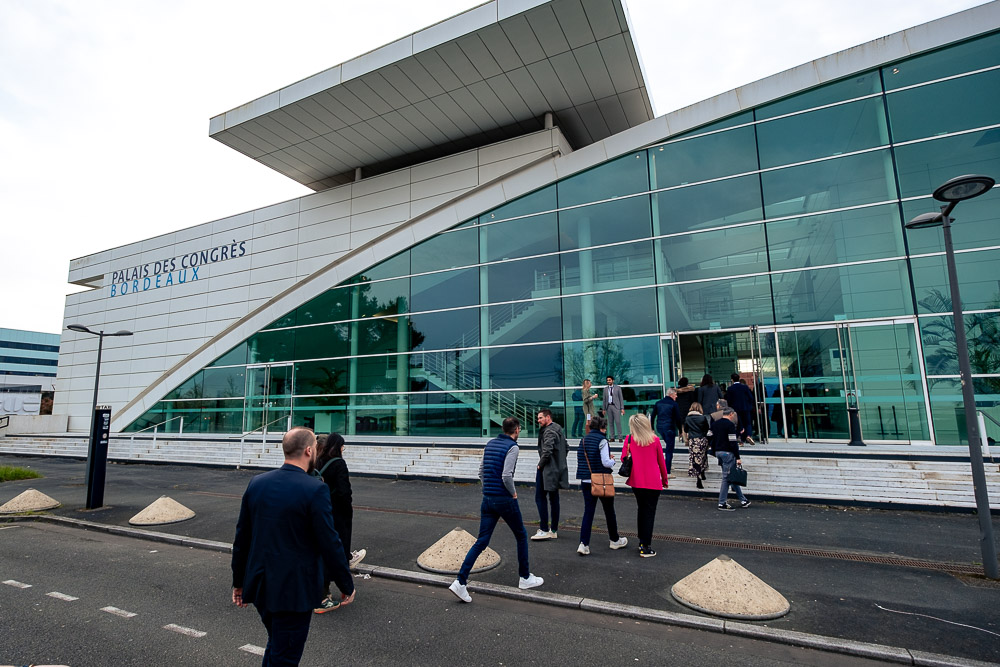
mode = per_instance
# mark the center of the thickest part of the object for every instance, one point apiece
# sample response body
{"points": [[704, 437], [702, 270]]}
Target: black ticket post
{"points": [[97, 456]]}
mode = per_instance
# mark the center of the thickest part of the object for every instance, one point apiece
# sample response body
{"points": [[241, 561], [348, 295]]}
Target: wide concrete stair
{"points": [[905, 476]]}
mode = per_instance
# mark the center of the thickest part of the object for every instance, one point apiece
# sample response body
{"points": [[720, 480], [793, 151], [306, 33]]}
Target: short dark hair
{"points": [[598, 423], [683, 382], [296, 441], [610, 377], [735, 377], [546, 412], [510, 425]]}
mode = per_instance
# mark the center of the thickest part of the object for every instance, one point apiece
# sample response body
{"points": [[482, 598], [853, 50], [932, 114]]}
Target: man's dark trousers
{"points": [[543, 504], [286, 636], [492, 510], [669, 439]]}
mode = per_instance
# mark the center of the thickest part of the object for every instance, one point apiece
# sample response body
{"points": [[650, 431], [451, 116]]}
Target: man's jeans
{"points": [[492, 510], [543, 506], [728, 461]]}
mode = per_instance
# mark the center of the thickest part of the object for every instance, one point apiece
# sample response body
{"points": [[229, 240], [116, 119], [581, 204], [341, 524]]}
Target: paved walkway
{"points": [[880, 576]]}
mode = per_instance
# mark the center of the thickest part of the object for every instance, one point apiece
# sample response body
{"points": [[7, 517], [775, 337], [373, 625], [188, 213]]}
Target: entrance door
{"points": [[747, 352], [825, 369], [268, 398]]}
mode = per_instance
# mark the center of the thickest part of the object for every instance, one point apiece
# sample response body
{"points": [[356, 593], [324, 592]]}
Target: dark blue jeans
{"points": [[579, 422], [590, 508], [492, 510], [286, 636], [669, 438], [543, 507]]}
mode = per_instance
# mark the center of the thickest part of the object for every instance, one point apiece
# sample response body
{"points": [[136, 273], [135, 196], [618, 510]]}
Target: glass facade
{"points": [[769, 244]]}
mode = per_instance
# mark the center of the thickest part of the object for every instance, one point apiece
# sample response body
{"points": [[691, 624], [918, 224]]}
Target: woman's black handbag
{"points": [[626, 467], [738, 476]]}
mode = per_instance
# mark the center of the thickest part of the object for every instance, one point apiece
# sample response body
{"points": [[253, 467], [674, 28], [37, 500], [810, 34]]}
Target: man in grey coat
{"points": [[552, 474], [614, 406]]}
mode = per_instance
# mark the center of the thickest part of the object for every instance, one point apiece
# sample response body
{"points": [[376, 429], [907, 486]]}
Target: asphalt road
{"points": [[850, 596], [391, 622]]}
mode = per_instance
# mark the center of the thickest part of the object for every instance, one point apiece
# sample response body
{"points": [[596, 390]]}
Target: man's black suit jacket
{"points": [[284, 539]]}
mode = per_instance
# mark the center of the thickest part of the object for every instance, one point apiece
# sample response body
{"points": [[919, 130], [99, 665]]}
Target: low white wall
{"points": [[29, 424]]}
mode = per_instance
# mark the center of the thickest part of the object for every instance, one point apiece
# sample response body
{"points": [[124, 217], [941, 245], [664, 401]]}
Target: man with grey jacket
{"points": [[551, 475], [614, 406]]}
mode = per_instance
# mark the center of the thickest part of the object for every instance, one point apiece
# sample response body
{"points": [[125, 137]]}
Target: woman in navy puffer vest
{"points": [[594, 455]]}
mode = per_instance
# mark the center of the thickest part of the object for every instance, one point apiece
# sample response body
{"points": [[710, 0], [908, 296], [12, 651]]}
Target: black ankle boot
{"points": [[699, 484]]}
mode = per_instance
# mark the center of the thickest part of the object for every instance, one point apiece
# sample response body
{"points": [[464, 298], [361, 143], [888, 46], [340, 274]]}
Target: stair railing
{"points": [[155, 427]]}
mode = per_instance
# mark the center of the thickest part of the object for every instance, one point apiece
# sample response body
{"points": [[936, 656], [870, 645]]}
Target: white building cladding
{"points": [[291, 252]]}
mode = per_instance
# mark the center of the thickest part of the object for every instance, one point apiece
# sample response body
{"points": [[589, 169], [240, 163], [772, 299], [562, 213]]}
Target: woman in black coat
{"points": [[709, 394]]}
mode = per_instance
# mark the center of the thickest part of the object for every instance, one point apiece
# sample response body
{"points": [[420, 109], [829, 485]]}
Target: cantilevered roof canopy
{"points": [[479, 77]]}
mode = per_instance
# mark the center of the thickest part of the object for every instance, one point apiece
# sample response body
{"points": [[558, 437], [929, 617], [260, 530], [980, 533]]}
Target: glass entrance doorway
{"points": [[804, 377], [268, 398]]}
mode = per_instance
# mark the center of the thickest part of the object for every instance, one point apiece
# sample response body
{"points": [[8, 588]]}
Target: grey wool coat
{"points": [[552, 450]]}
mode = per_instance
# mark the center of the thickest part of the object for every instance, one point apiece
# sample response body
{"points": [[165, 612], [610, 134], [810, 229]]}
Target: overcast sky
{"points": [[104, 104]]}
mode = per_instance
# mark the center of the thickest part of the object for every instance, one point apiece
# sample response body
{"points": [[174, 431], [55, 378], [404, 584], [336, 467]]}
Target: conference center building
{"points": [[499, 215]]}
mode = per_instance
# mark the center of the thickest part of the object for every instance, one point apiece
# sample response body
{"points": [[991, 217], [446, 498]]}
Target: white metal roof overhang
{"points": [[482, 76]]}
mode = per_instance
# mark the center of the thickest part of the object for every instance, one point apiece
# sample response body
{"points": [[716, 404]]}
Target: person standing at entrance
{"points": [[725, 444], [588, 404], [649, 476], [285, 542], [709, 394], [614, 405], [496, 472], [666, 420], [740, 398], [686, 395], [551, 475]]}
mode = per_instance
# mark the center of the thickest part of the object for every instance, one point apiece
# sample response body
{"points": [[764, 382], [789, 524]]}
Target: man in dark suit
{"points": [[285, 541], [741, 399]]}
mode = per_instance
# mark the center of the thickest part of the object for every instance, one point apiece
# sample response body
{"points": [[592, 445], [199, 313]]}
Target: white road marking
{"points": [[118, 612], [61, 596], [16, 584], [6, 527], [184, 631], [250, 648]]}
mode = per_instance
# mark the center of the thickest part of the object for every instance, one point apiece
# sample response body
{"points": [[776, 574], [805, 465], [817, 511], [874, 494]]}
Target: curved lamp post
{"points": [[96, 465], [956, 190]]}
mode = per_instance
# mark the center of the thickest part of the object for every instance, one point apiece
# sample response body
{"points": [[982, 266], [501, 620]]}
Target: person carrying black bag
{"points": [[725, 445]]}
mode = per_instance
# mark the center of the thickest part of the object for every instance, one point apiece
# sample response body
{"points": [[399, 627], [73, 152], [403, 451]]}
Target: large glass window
{"points": [[523, 279], [734, 251], [859, 291], [926, 165], [625, 176], [330, 306], [610, 222], [267, 346], [625, 265], [844, 128], [832, 238], [526, 366], [536, 202], [632, 361], [718, 304], [451, 328], [224, 382], [703, 158], [972, 55], [448, 289], [829, 184], [535, 235], [322, 377], [444, 414], [982, 331], [708, 205], [524, 322], [947, 106], [977, 281], [975, 226], [446, 251], [624, 313], [839, 91], [947, 407], [325, 340], [237, 355]]}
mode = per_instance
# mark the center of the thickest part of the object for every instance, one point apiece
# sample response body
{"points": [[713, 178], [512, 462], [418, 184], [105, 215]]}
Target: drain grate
{"points": [[939, 566]]}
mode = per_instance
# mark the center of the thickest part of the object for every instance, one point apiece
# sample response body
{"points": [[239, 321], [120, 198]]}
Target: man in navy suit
{"points": [[741, 399], [285, 541]]}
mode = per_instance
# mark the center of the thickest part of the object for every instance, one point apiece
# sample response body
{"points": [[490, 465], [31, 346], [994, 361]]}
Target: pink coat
{"points": [[649, 470]]}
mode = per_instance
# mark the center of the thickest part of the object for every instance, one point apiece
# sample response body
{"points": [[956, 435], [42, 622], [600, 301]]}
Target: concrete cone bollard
{"points": [[446, 555], [725, 588], [162, 510], [29, 501]]}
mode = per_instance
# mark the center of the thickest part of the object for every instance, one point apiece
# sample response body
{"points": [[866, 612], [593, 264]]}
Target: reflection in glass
{"points": [[523, 279], [633, 361], [523, 237], [967, 56], [977, 281], [844, 292], [972, 102], [839, 91], [626, 265], [982, 331], [829, 184], [832, 238], [624, 313], [718, 304], [599, 224], [445, 251], [844, 128], [703, 158], [709, 205], [525, 366], [726, 252], [449, 289], [624, 176]]}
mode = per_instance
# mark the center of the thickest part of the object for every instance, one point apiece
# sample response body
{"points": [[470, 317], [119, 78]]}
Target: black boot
{"points": [[699, 484]]}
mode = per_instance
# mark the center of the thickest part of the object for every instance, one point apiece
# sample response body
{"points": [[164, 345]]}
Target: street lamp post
{"points": [[96, 461], [956, 190]]}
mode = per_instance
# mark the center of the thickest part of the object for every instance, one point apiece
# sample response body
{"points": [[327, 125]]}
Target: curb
{"points": [[789, 637]]}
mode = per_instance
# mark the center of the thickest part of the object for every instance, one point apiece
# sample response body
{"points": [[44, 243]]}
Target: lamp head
{"points": [[123, 332], [79, 328], [925, 220], [964, 187]]}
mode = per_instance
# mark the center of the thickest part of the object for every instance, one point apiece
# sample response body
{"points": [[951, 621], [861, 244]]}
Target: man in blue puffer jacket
{"points": [[496, 472]]}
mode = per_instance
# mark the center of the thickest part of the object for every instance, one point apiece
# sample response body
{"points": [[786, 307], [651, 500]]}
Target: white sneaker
{"points": [[543, 535], [461, 592], [358, 556], [583, 549], [530, 582], [620, 543]]}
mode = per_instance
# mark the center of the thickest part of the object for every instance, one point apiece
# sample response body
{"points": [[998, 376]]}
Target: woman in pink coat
{"points": [[648, 478]]}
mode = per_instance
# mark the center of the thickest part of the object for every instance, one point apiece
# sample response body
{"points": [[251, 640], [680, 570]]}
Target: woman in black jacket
{"points": [[333, 470], [696, 427], [709, 394]]}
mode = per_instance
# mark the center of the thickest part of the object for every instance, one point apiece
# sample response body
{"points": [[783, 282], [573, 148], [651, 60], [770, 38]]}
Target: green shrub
{"points": [[11, 473]]}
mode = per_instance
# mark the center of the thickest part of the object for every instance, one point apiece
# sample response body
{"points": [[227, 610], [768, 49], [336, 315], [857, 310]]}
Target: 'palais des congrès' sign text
{"points": [[175, 270]]}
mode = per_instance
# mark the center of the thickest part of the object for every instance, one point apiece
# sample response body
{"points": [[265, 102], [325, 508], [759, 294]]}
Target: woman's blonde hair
{"points": [[640, 430], [696, 407]]}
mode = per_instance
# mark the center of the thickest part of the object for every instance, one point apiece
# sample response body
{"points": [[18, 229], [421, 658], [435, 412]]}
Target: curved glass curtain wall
{"points": [[788, 217]]}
